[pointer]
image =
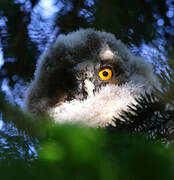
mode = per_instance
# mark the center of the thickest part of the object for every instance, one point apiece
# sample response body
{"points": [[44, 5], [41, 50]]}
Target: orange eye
{"points": [[105, 73]]}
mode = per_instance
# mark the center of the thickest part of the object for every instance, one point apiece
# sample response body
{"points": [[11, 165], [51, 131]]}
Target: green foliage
{"points": [[72, 151], [139, 158]]}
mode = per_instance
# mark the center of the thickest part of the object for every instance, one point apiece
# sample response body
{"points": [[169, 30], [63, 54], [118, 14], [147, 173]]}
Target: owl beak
{"points": [[89, 87]]}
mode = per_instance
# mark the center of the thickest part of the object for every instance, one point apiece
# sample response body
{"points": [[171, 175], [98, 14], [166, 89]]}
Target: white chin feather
{"points": [[100, 109]]}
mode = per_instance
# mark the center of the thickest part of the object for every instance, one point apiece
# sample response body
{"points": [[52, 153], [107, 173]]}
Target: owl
{"points": [[88, 77]]}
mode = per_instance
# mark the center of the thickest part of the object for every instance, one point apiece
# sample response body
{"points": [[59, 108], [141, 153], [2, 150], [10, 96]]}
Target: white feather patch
{"points": [[100, 109], [89, 87], [107, 54]]}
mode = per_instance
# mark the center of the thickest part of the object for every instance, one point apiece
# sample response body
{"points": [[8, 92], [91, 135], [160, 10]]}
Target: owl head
{"points": [[88, 77]]}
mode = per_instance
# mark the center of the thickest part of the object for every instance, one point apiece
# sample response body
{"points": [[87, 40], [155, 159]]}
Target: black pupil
{"points": [[105, 73]]}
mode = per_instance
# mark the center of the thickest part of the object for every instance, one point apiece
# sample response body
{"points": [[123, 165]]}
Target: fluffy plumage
{"points": [[67, 86]]}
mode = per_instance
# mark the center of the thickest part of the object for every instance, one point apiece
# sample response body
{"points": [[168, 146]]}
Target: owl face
{"points": [[89, 77]]}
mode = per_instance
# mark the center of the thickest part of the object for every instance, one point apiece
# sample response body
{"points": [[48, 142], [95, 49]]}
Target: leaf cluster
{"points": [[37, 148]]}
